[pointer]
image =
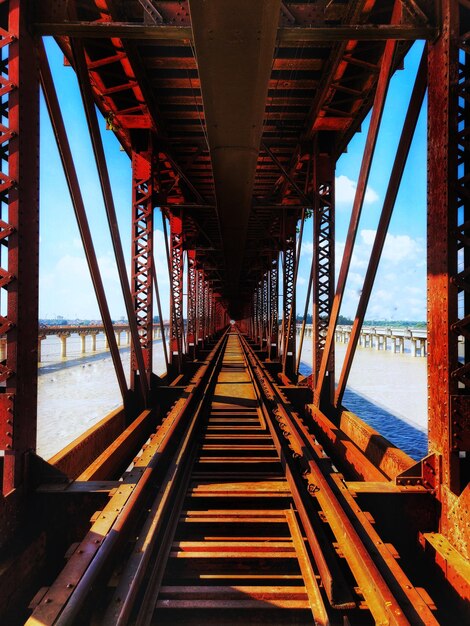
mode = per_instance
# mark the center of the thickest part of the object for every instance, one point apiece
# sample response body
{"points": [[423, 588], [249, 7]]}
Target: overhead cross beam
{"points": [[141, 31]]}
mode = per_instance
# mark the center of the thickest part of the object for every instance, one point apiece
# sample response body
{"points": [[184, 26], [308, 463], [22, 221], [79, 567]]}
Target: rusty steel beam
{"points": [[273, 336], [80, 212], [288, 328], [160, 313], [234, 122], [175, 260], [448, 271], [296, 34], [100, 159], [323, 264], [304, 318], [288, 178], [396, 175], [19, 230], [377, 111], [192, 302], [141, 263]]}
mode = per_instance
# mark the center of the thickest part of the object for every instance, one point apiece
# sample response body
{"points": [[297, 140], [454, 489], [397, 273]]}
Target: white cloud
{"points": [[400, 284], [66, 289], [345, 190]]}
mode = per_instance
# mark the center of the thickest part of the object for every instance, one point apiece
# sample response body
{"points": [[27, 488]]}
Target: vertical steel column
{"points": [[200, 307], [192, 304], [19, 234], [265, 313], [255, 314], [289, 340], [449, 265], [142, 258], [323, 265], [273, 308], [176, 286]]}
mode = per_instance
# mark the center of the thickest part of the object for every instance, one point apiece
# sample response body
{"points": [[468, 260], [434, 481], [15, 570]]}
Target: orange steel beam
{"points": [[396, 175], [448, 271], [80, 212], [100, 158], [323, 263], [143, 181], [379, 102], [296, 34], [19, 228]]}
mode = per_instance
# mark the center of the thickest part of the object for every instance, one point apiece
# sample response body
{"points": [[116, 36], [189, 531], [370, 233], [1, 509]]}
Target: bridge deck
{"points": [[248, 521]]}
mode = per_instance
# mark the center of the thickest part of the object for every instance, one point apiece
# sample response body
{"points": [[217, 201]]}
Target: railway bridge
{"points": [[232, 490]]}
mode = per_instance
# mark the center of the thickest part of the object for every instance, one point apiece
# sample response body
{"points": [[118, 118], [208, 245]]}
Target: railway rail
{"points": [[247, 521]]}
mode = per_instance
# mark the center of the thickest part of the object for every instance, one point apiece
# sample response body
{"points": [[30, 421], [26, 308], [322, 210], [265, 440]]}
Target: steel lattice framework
{"points": [[142, 254], [234, 114], [289, 314], [323, 258], [19, 197], [176, 261], [273, 308], [192, 304]]}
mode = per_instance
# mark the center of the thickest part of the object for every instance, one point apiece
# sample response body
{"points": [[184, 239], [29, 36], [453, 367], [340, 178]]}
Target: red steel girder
{"points": [[323, 262], [192, 304], [273, 335], [288, 318], [449, 257], [19, 197], [176, 287], [406, 138], [379, 102], [142, 258]]}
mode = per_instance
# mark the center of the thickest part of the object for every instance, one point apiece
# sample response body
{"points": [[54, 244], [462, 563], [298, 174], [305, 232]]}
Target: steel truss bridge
{"points": [[231, 490]]}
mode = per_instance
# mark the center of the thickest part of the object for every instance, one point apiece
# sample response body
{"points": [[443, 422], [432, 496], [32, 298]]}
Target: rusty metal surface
{"points": [[312, 83]]}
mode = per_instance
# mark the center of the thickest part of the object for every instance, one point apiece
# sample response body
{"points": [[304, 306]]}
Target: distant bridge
{"points": [[378, 338]]}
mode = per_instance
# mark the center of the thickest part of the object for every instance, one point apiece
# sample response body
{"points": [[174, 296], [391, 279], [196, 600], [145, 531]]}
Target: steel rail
{"points": [[390, 595], [66, 598], [160, 525]]}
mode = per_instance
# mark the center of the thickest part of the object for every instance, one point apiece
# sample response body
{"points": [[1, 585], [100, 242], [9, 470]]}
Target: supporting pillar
{"points": [[323, 268], [176, 286], [289, 311], [40, 340], [448, 269], [200, 308], [83, 343], [192, 304], [93, 341], [63, 344], [118, 337], [274, 307], [20, 213], [142, 254]]}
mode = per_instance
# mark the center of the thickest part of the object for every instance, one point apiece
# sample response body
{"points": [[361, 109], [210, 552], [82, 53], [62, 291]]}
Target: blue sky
{"points": [[65, 286]]}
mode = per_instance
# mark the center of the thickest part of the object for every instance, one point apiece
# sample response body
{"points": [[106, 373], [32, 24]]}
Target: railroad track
{"points": [[248, 524]]}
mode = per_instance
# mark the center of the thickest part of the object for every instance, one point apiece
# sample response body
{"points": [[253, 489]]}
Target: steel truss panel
{"points": [[289, 311], [142, 257], [19, 234], [176, 286], [192, 304], [323, 263], [449, 270], [273, 308]]}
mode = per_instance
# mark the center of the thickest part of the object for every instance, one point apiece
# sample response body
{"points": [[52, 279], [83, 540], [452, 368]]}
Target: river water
{"points": [[386, 390]]}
